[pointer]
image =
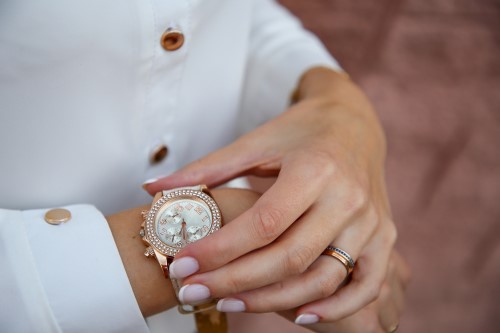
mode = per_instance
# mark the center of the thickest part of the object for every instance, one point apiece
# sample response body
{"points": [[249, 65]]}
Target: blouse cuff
{"points": [[82, 273]]}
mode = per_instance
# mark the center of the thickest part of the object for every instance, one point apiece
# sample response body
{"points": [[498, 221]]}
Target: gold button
{"points": [[172, 39], [158, 154], [57, 216]]}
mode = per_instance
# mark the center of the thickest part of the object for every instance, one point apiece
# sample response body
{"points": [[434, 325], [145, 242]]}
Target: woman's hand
{"points": [[380, 316], [327, 152]]}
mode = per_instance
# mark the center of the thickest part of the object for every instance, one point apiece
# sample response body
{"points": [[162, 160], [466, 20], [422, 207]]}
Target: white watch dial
{"points": [[182, 222]]}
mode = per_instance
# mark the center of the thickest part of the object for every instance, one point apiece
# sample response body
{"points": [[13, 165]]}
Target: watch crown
{"points": [[149, 252], [142, 233]]}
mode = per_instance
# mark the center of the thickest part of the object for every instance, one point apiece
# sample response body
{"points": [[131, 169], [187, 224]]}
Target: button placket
{"points": [[171, 25]]}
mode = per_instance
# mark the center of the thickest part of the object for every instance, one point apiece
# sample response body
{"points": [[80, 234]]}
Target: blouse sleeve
{"points": [[63, 278], [280, 51]]}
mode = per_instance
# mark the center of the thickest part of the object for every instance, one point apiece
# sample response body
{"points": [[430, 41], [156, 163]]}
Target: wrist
{"points": [[320, 82], [153, 292]]}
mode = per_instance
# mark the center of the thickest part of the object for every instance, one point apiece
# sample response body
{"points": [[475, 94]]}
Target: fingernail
{"points": [[306, 318], [183, 267], [230, 305], [149, 181], [193, 294]]}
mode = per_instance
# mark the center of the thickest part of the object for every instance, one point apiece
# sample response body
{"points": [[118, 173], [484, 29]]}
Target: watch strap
{"points": [[207, 318], [201, 188]]}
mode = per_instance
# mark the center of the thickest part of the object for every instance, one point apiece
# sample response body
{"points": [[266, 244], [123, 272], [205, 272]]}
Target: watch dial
{"points": [[183, 222]]}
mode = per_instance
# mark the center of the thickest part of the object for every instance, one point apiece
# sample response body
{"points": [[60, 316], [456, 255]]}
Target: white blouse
{"points": [[87, 93]]}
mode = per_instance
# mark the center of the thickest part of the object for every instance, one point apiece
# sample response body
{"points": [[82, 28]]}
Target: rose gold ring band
{"points": [[341, 256]]}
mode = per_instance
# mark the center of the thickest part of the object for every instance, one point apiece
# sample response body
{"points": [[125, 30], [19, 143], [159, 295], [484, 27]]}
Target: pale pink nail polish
{"points": [[150, 181], [193, 294], [230, 305], [306, 318], [183, 267]]}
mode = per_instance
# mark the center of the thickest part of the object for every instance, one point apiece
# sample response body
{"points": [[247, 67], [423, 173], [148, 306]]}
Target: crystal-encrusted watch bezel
{"points": [[150, 230]]}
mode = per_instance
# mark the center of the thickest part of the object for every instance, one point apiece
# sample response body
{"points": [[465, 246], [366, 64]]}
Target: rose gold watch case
{"points": [[151, 238]]}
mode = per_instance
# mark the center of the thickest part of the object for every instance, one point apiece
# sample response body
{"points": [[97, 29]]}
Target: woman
{"points": [[95, 95]]}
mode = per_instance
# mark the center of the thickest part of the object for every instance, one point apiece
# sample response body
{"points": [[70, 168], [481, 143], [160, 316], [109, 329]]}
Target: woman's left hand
{"points": [[380, 316], [328, 153]]}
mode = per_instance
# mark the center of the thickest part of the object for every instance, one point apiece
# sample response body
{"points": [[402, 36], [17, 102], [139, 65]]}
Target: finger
{"points": [[403, 269], [256, 152], [396, 280], [213, 169], [388, 311], [366, 320], [289, 256], [283, 258], [321, 280], [366, 282], [295, 190]]}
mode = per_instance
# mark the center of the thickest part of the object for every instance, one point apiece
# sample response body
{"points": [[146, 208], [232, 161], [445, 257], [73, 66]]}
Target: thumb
{"points": [[213, 169]]}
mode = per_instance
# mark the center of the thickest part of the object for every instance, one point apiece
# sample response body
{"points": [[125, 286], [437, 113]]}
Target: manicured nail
{"points": [[306, 318], [183, 267], [230, 305], [193, 294], [149, 181]]}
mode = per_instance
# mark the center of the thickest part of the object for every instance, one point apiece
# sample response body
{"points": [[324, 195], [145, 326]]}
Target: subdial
{"points": [[194, 233], [174, 234]]}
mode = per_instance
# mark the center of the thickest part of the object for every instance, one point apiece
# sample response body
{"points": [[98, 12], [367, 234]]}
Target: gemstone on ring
{"points": [[341, 252]]}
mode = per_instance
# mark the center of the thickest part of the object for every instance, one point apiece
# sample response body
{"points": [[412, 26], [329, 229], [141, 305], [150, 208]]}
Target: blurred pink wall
{"points": [[432, 69]]}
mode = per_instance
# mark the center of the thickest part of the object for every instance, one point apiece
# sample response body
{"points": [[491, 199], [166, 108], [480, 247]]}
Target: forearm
{"points": [[153, 292]]}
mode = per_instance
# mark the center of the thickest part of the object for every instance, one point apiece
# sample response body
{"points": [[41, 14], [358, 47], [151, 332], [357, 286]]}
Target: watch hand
{"points": [[183, 231]]}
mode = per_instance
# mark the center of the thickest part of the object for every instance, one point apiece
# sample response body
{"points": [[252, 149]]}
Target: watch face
{"points": [[180, 218], [183, 221]]}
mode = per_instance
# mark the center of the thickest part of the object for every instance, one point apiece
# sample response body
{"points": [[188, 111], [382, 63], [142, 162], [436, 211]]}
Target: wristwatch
{"points": [[177, 218]]}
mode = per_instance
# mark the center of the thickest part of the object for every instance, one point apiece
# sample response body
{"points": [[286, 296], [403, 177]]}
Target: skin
{"points": [[327, 152], [155, 294]]}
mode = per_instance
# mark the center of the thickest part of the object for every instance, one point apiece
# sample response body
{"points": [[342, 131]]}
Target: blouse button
{"points": [[172, 39], [158, 154]]}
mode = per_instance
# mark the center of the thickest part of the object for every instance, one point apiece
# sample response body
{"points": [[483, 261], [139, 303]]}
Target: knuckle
{"points": [[235, 283], [357, 200], [329, 284], [297, 260], [373, 292], [385, 291], [215, 252], [325, 166], [316, 165], [372, 220], [267, 223]]}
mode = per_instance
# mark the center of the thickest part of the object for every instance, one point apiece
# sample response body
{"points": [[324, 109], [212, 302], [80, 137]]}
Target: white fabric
{"points": [[86, 93], [60, 259]]}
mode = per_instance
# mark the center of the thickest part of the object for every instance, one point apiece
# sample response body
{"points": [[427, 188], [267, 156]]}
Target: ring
{"points": [[341, 256]]}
